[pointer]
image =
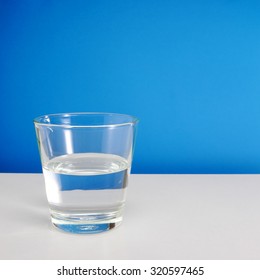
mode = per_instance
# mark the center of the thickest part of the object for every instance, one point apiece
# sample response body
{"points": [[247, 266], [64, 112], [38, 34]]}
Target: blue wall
{"points": [[190, 70]]}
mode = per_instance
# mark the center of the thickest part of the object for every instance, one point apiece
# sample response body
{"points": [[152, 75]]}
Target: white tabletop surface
{"points": [[166, 217]]}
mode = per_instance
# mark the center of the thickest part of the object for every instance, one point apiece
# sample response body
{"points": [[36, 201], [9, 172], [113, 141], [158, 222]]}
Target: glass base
{"points": [[86, 223]]}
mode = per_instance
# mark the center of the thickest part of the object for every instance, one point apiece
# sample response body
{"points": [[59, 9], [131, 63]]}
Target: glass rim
{"points": [[40, 120]]}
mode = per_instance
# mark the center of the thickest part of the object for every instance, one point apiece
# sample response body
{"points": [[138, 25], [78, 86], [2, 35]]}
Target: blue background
{"points": [[190, 70]]}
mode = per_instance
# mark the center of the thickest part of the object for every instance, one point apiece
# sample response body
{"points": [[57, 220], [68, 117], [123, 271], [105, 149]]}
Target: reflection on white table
{"points": [[166, 217]]}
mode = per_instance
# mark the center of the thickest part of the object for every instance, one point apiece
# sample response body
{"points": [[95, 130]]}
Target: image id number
{"points": [[181, 270]]}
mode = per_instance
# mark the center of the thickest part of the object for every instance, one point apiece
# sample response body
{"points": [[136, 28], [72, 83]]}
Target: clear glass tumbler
{"points": [[86, 161]]}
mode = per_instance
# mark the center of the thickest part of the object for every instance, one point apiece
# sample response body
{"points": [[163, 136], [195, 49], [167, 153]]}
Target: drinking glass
{"points": [[86, 160]]}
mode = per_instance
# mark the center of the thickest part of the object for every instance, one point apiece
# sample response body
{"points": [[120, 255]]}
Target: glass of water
{"points": [[86, 161]]}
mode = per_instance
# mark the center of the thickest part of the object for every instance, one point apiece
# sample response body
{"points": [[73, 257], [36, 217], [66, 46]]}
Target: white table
{"points": [[166, 217]]}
